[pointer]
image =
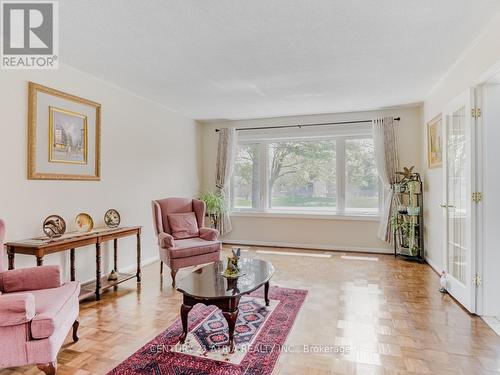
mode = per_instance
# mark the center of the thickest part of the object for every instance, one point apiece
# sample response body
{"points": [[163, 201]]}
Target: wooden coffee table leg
{"points": [[185, 309], [231, 317], [266, 293], [12, 255]]}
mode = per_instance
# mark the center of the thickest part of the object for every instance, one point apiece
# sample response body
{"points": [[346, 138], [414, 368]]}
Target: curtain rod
{"points": [[306, 125]]}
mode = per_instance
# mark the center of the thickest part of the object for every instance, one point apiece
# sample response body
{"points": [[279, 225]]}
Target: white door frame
{"points": [[479, 92], [465, 292]]}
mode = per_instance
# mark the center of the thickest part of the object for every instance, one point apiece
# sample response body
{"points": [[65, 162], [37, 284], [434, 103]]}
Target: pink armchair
{"points": [[36, 313], [182, 238]]}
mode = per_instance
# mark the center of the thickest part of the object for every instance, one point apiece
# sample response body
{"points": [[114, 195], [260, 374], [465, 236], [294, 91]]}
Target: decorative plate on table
{"points": [[84, 222], [54, 226], [112, 218]]}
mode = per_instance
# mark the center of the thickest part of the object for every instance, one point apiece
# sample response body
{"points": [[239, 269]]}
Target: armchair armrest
{"points": [[209, 234], [165, 240], [36, 278], [16, 309]]}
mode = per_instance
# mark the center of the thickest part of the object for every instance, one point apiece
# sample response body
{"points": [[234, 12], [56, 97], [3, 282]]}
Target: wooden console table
{"points": [[39, 247]]}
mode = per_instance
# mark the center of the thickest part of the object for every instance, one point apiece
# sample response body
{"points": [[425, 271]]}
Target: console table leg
{"points": [[115, 260], [266, 293], [231, 323], [39, 261], [185, 309], [11, 258], [115, 254], [98, 271], [72, 264], [138, 257]]}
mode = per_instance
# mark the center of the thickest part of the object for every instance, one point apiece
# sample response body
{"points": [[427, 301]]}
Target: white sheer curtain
{"points": [[386, 156], [226, 154]]}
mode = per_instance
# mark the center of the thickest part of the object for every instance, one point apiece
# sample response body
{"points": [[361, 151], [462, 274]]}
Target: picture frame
{"points": [[64, 135], [435, 142]]}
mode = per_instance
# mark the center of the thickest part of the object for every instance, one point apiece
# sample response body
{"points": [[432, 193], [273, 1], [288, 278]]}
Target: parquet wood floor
{"points": [[389, 313]]}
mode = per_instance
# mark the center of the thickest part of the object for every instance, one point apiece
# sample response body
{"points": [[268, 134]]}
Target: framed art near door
{"points": [[434, 142], [64, 136]]}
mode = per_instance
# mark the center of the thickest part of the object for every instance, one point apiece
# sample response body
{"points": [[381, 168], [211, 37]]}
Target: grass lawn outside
{"points": [[319, 203]]}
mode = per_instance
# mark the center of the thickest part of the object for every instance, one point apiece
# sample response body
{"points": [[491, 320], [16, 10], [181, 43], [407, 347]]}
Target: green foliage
{"points": [[400, 226], [295, 164], [360, 164], [214, 201], [306, 169], [247, 159], [405, 230]]}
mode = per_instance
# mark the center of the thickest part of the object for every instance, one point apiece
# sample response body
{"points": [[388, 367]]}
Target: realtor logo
{"points": [[29, 34]]}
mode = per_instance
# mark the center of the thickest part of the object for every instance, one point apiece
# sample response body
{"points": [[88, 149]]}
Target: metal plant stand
{"points": [[408, 221]]}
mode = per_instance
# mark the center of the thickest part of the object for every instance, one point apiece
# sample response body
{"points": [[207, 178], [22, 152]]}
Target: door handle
{"points": [[446, 205]]}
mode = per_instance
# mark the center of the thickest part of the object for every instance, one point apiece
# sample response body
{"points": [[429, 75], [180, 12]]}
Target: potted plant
{"points": [[413, 211], [414, 249], [402, 229], [216, 206]]}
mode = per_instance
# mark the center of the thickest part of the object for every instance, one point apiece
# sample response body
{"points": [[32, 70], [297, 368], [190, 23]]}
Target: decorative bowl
{"points": [[84, 222], [54, 226], [112, 218]]}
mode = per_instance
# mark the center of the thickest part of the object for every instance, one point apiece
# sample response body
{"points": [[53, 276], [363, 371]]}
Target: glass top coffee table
{"points": [[207, 285]]}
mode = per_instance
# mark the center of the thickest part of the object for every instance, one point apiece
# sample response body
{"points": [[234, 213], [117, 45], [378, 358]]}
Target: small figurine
{"points": [[232, 268], [442, 281], [113, 276]]}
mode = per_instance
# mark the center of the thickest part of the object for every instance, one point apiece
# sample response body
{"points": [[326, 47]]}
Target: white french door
{"points": [[459, 212]]}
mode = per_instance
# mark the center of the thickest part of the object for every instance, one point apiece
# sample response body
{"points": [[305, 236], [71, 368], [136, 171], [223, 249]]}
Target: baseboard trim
{"points": [[309, 246], [144, 263], [433, 265]]}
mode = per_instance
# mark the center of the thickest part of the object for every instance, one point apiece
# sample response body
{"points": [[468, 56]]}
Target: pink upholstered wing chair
{"points": [[36, 313], [182, 238]]}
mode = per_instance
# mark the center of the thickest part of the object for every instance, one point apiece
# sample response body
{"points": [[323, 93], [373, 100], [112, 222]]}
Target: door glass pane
{"points": [[246, 185], [361, 179], [302, 175], [456, 191]]}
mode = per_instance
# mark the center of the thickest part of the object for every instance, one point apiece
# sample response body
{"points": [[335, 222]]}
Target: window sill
{"points": [[308, 215]]}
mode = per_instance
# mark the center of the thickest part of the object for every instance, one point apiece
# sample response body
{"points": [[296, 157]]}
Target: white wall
{"points": [[147, 152], [466, 72], [306, 232]]}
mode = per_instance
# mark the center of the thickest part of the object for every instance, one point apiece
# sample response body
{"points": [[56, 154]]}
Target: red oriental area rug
{"points": [[260, 334]]}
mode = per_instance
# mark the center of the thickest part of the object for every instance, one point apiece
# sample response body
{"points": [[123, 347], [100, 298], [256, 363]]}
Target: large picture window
{"points": [[334, 174], [246, 177], [361, 179], [302, 175]]}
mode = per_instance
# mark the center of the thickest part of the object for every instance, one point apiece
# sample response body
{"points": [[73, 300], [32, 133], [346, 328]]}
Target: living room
{"points": [[265, 187]]}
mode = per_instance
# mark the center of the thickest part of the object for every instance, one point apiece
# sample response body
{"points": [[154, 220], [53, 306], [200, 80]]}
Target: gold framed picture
{"points": [[435, 142], [64, 136], [67, 137]]}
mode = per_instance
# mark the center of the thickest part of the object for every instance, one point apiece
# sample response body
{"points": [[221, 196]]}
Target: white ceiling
{"points": [[236, 59]]}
